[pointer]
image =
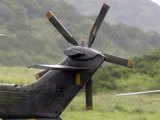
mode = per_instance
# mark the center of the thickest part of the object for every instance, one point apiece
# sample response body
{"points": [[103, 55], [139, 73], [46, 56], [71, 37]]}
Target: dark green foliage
{"points": [[139, 13], [32, 39], [145, 75]]}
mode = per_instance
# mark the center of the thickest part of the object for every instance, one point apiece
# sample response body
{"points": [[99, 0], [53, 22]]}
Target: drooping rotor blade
{"points": [[58, 67], [88, 91], [60, 27], [118, 60], [97, 24], [138, 93]]}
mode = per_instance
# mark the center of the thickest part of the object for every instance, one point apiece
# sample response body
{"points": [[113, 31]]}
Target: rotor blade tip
{"points": [[130, 63], [49, 14], [3, 35], [106, 6]]}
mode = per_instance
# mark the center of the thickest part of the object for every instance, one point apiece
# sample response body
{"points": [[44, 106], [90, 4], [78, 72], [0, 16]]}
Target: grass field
{"points": [[107, 106], [17, 75], [110, 107]]}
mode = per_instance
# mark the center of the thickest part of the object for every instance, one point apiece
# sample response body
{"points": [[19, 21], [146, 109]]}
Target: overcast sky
{"points": [[156, 1]]}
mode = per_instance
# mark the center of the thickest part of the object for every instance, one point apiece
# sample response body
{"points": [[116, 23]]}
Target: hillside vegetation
{"points": [[139, 13], [32, 39], [145, 75], [109, 78]]}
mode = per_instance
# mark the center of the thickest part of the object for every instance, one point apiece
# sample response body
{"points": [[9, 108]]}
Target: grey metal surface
{"points": [[97, 24], [89, 97], [58, 67], [60, 27], [118, 60], [81, 53], [49, 96]]}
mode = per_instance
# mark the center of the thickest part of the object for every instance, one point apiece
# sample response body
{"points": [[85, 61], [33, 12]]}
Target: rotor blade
{"points": [[118, 60], [65, 33], [3, 36], [97, 24], [137, 93], [58, 67], [88, 90]]}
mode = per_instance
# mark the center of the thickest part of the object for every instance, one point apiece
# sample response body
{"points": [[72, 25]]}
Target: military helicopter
{"points": [[58, 84]]}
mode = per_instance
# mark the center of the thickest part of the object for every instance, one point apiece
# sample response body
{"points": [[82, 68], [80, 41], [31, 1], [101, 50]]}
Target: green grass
{"points": [[110, 107], [106, 105], [17, 75]]}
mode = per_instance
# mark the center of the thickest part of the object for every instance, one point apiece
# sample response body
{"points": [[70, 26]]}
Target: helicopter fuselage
{"points": [[49, 96]]}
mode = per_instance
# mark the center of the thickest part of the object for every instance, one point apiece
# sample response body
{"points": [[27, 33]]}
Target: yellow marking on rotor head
{"points": [[130, 63], [37, 76], [78, 79], [49, 14]]}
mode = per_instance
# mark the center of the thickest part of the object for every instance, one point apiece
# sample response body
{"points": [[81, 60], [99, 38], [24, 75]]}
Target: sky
{"points": [[156, 1]]}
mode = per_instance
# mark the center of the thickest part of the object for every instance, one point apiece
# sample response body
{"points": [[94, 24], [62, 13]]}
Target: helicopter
{"points": [[58, 84]]}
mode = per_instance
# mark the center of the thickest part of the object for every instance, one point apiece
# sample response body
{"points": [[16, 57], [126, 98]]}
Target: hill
{"points": [[32, 39], [138, 13], [143, 76]]}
